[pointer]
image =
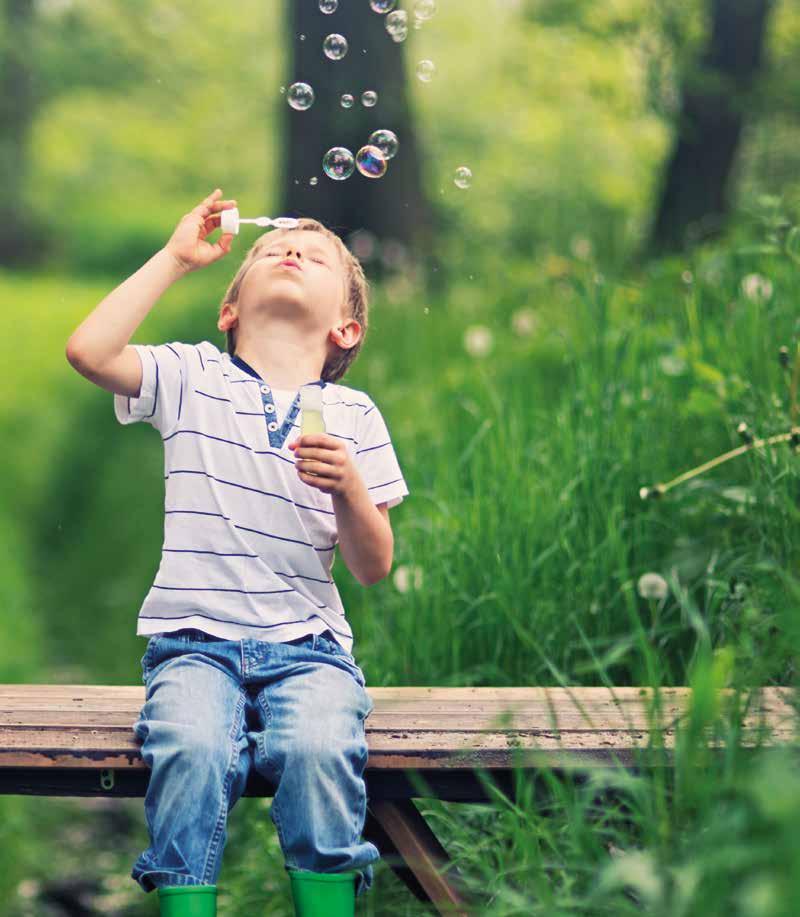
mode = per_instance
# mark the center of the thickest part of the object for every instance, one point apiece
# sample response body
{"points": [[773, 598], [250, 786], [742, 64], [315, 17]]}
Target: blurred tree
{"points": [[393, 207], [715, 96], [17, 231]]}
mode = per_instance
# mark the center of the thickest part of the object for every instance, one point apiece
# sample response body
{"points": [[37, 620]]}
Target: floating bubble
{"points": [[283, 90], [426, 70], [335, 46], [371, 162], [369, 98], [338, 163], [463, 177], [424, 9], [300, 96], [328, 6], [382, 6], [302, 37], [385, 141], [313, 180], [397, 23], [347, 100]]}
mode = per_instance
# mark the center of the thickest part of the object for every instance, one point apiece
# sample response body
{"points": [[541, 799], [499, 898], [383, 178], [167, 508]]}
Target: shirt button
{"points": [[269, 408], [272, 425], [265, 389]]}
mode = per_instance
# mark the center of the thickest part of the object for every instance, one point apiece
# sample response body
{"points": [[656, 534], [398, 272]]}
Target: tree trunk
{"points": [[392, 207], [19, 235], [694, 199]]}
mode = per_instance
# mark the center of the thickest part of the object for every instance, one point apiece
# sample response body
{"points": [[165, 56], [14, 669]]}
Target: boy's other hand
{"points": [[322, 461], [188, 246]]}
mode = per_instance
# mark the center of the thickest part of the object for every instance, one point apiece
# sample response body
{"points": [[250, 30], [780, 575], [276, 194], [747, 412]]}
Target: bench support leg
{"points": [[411, 836]]}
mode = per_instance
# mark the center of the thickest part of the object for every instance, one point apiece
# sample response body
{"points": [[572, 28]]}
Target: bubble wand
{"points": [[231, 221]]}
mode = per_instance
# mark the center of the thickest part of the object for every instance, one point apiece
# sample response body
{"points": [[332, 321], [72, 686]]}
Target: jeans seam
{"points": [[261, 699], [233, 763]]}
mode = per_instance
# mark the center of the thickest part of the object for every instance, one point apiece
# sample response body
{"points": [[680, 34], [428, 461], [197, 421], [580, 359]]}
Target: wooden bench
{"points": [[77, 740]]}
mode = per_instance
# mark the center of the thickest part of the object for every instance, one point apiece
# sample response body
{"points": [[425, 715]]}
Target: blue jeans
{"points": [[214, 708]]}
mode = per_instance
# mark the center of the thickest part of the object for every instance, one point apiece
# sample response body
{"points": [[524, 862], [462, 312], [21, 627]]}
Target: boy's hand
{"points": [[328, 459], [187, 244]]}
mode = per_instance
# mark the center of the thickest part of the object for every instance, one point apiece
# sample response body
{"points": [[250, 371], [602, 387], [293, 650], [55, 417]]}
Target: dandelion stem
{"points": [[739, 450], [795, 372]]}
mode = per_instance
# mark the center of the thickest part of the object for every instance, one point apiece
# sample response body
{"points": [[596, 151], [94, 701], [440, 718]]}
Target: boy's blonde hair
{"points": [[337, 363]]}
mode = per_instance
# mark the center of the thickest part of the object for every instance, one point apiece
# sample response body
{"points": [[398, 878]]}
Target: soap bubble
{"points": [[371, 162], [382, 6], [300, 96], [313, 180], [347, 100], [463, 177], [338, 163], [335, 46], [302, 37], [425, 70], [283, 90], [369, 98], [397, 24], [328, 6], [385, 141], [424, 9]]}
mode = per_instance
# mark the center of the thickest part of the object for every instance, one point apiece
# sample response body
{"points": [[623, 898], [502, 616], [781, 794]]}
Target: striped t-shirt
{"points": [[248, 547]]}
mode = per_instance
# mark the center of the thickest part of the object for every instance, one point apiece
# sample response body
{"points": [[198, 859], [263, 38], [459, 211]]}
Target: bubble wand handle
{"points": [[231, 221]]}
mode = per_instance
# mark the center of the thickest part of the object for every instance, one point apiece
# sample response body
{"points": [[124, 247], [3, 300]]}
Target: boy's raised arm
{"points": [[105, 332]]}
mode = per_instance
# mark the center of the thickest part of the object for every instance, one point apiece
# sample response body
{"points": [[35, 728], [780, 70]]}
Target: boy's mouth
{"points": [[289, 262]]}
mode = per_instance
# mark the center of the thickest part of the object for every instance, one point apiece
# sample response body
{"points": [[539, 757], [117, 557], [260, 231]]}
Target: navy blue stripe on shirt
{"points": [[241, 623], [244, 445], [314, 579], [180, 396], [241, 592], [370, 448], [215, 397], [385, 484], [266, 493], [244, 528]]}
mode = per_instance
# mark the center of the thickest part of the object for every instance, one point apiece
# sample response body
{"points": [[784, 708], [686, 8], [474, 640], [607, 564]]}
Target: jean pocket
{"points": [[147, 659], [333, 648]]}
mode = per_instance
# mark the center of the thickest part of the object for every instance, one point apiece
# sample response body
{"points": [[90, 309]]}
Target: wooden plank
{"points": [[408, 727], [412, 836]]}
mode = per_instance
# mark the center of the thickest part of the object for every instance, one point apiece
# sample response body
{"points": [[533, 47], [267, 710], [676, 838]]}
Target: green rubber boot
{"points": [[323, 894], [188, 900]]}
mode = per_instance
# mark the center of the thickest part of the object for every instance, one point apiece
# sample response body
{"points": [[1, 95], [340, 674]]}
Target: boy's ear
{"points": [[227, 319]]}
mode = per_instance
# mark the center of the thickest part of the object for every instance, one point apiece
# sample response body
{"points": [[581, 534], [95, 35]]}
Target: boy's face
{"points": [[313, 289]]}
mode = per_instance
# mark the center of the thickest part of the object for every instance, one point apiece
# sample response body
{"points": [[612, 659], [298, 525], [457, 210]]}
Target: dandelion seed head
{"points": [[652, 586]]}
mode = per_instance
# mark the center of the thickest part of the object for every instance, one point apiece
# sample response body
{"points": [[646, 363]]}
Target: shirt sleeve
{"points": [[163, 391], [376, 459]]}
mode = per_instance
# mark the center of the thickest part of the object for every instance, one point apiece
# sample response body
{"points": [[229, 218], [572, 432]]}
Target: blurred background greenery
{"points": [[596, 313]]}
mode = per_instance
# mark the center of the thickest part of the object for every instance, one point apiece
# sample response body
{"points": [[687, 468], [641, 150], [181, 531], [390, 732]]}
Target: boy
{"points": [[249, 659]]}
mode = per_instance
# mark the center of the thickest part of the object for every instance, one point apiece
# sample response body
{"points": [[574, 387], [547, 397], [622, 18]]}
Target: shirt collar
{"points": [[242, 364]]}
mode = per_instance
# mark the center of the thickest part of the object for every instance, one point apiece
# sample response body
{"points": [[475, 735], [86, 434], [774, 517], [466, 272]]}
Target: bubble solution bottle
{"points": [[311, 410], [311, 420]]}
